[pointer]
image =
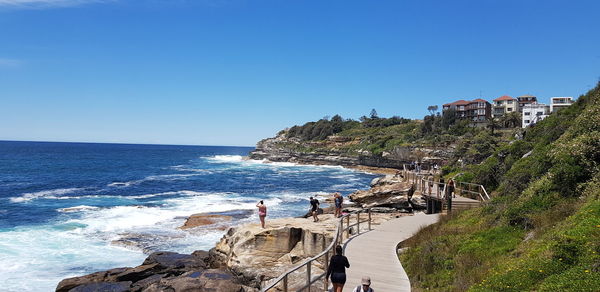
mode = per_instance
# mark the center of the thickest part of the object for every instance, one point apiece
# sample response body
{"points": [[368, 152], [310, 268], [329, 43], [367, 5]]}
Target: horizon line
{"points": [[123, 143]]}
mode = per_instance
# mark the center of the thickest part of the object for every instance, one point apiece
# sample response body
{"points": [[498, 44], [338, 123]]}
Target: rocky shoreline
{"points": [[247, 256]]}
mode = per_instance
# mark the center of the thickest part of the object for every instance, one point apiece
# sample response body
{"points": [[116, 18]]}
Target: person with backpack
{"points": [[365, 285], [314, 208]]}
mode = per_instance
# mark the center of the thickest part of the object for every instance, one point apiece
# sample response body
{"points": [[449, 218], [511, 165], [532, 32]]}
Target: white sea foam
{"points": [[36, 259], [169, 214], [187, 168], [44, 194], [225, 158], [124, 184], [163, 177], [77, 208]]}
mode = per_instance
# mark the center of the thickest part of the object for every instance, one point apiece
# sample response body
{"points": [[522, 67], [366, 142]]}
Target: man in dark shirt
{"points": [[314, 208]]}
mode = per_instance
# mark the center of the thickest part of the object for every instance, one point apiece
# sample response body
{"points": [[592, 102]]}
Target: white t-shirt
{"points": [[360, 289]]}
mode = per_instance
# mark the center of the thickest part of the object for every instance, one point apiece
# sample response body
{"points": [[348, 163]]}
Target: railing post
{"points": [[308, 274], [369, 219], [326, 267], [347, 226], [285, 283], [357, 223]]}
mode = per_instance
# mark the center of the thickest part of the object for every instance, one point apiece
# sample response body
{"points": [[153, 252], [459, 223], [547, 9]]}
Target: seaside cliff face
{"points": [[329, 152]]}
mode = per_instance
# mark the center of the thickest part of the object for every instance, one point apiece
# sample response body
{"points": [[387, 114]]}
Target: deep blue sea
{"points": [[65, 208]]}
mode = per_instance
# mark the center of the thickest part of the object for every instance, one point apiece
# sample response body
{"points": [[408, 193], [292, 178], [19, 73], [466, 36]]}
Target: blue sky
{"points": [[231, 72]]}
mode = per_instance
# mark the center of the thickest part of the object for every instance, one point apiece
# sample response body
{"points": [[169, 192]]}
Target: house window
{"points": [[481, 112], [539, 113], [526, 121], [509, 109], [509, 102], [526, 113]]}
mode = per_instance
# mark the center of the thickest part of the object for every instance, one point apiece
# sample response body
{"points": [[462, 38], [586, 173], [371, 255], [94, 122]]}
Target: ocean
{"points": [[69, 209]]}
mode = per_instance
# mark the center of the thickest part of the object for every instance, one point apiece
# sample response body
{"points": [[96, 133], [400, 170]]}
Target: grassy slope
{"points": [[542, 230]]}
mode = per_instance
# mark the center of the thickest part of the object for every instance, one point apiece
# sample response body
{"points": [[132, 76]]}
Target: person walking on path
{"points": [[441, 186], [365, 285], [451, 189], [337, 269], [262, 212], [430, 182], [314, 208], [338, 201]]}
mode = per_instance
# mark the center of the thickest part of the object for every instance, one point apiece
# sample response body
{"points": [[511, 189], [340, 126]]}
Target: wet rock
{"points": [[103, 286], [138, 273], [206, 280], [173, 263], [145, 283], [104, 276]]}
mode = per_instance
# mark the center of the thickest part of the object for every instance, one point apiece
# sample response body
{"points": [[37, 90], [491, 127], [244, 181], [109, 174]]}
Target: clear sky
{"points": [[231, 72]]}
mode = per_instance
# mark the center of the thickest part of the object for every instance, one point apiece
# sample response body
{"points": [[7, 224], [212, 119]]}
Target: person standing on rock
{"points": [[262, 212], [314, 208], [338, 200], [337, 269]]}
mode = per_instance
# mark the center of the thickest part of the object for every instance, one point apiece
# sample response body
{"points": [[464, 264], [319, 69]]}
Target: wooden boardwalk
{"points": [[373, 253]]}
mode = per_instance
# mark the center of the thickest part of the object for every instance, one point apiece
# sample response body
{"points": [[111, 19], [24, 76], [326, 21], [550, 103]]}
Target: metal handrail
{"points": [[483, 194], [338, 238]]}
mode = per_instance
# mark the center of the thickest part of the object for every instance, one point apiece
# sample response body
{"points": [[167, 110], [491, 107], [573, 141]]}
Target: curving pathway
{"points": [[374, 253]]}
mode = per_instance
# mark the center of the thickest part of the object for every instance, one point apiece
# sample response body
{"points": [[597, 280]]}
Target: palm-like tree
{"points": [[494, 124]]}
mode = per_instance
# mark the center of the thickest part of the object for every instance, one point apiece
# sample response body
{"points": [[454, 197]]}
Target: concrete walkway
{"points": [[373, 254]]}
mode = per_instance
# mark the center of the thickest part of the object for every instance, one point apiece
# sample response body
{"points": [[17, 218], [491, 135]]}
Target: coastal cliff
{"points": [[335, 151]]}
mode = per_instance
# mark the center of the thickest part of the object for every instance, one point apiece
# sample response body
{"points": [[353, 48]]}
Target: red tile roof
{"points": [[504, 97], [478, 100], [458, 102]]}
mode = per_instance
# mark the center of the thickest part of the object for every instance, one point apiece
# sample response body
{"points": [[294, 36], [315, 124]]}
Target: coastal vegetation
{"points": [[379, 136], [541, 230]]}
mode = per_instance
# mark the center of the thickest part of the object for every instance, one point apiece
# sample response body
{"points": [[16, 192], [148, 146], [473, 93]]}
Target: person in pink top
{"points": [[262, 212]]}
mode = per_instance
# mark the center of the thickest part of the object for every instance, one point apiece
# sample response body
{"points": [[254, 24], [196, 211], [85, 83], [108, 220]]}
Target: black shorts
{"points": [[338, 278]]}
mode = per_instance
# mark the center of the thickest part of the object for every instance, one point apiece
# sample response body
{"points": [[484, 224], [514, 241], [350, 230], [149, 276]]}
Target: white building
{"points": [[534, 112], [557, 103]]}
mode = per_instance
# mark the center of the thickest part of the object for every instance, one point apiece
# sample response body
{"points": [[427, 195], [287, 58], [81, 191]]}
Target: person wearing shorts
{"points": [[338, 200], [314, 208], [337, 269]]}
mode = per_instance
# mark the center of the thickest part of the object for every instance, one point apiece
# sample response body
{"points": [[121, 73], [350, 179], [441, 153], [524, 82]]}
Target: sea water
{"points": [[64, 207]]}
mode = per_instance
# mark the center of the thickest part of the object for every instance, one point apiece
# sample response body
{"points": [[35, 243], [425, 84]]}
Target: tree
{"points": [[373, 114], [337, 119], [432, 109], [448, 118], [513, 119], [493, 124]]}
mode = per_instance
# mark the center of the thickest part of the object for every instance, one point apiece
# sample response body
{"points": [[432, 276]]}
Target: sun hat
{"points": [[366, 281]]}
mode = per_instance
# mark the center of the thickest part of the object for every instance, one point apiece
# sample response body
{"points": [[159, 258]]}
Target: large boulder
{"points": [[104, 276], [156, 267], [386, 191], [205, 280], [103, 286], [257, 255], [173, 263], [197, 220]]}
